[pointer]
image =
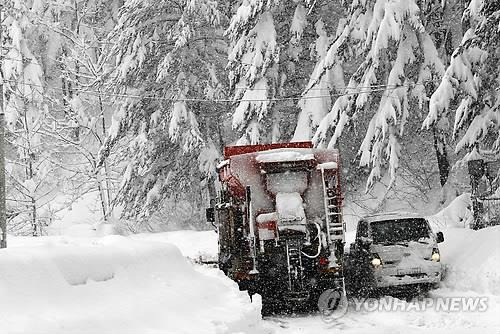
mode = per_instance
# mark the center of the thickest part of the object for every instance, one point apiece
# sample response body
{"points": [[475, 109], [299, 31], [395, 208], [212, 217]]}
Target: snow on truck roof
{"points": [[285, 154], [243, 149], [390, 216], [279, 152]]}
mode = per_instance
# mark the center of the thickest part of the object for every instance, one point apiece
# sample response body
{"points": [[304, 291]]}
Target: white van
{"points": [[394, 250]]}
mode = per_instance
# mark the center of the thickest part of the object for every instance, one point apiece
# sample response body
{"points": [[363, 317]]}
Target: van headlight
{"points": [[435, 255], [376, 261]]}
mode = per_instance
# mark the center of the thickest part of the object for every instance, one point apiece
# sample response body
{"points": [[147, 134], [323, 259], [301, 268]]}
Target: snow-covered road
{"points": [[473, 261], [411, 321]]}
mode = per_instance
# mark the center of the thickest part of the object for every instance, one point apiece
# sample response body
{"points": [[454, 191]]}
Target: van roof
{"points": [[389, 216]]}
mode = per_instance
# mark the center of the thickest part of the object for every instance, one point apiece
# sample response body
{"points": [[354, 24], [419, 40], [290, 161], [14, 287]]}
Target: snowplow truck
{"points": [[278, 214]]}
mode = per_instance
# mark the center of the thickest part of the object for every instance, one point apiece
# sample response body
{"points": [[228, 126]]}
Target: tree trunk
{"points": [[101, 196], [3, 215], [106, 170], [29, 157], [441, 155], [37, 230]]}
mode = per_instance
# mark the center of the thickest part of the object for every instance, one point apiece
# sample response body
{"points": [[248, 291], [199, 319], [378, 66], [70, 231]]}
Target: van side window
{"points": [[362, 230]]}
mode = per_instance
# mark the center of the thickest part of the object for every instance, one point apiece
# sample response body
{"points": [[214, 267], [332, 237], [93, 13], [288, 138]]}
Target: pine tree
{"points": [[274, 46], [317, 102], [168, 55], [253, 59], [472, 79], [397, 63]]}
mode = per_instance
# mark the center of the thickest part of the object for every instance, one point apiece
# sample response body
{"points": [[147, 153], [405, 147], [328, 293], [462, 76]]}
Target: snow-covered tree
{"points": [[56, 106], [30, 159], [397, 63], [471, 81], [77, 32], [168, 56], [316, 102], [274, 45], [253, 56]]}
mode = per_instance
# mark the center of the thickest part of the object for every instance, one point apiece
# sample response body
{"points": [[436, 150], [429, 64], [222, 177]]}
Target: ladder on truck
{"points": [[334, 225], [295, 271]]}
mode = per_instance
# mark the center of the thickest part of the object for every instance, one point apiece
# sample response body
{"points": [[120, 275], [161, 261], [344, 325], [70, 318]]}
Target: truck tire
{"points": [[271, 305]]}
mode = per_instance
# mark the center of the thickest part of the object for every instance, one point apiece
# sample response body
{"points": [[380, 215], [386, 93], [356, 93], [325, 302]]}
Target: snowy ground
{"points": [[473, 262], [192, 244], [115, 284], [144, 284]]}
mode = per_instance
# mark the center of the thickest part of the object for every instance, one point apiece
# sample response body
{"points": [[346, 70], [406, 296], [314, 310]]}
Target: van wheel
{"points": [[360, 285]]}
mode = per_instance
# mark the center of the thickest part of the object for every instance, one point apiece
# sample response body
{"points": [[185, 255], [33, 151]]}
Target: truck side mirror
{"points": [[439, 237], [210, 215]]}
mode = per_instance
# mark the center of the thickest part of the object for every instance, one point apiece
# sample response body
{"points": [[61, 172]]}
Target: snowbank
{"points": [[473, 259], [115, 285], [192, 244], [457, 214]]}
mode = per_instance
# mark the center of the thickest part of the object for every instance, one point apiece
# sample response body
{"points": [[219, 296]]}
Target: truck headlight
{"points": [[376, 261], [435, 255]]}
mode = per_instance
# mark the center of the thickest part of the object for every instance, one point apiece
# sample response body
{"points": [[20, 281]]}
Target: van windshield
{"points": [[399, 230]]}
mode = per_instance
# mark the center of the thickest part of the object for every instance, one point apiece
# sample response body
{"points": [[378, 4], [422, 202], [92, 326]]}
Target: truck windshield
{"points": [[399, 230]]}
